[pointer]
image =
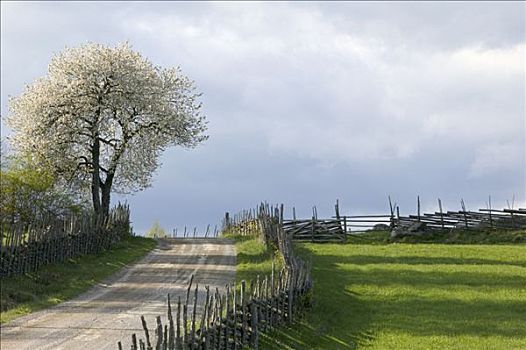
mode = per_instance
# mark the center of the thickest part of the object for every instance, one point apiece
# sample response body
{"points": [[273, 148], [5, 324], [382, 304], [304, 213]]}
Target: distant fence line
{"points": [[484, 218], [184, 233], [338, 227], [235, 319], [24, 249]]}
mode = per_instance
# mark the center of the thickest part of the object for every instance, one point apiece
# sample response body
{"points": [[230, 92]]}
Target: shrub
{"points": [[156, 231]]}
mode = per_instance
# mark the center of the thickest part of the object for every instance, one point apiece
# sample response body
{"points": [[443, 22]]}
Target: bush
{"points": [[29, 193], [156, 231]]}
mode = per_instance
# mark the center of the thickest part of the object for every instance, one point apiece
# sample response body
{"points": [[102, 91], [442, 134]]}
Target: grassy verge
{"points": [[412, 296], [253, 258], [55, 283]]}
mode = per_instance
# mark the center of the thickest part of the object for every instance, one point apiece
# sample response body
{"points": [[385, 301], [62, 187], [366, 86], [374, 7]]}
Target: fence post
{"points": [[418, 204], [290, 296], [312, 229], [134, 342], [227, 220], [441, 213], [490, 217], [178, 342], [391, 209], [464, 211], [244, 311], [194, 311], [146, 333], [254, 315]]}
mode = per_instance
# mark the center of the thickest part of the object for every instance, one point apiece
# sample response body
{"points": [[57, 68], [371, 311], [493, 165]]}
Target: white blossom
{"points": [[108, 103]]}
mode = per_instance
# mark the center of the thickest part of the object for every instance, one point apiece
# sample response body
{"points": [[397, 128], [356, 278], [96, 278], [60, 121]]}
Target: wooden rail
{"points": [[328, 230]]}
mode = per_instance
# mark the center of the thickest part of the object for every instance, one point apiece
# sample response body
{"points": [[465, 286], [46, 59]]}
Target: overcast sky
{"points": [[309, 102]]}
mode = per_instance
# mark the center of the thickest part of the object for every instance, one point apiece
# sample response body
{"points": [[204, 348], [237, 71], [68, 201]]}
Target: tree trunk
{"points": [[95, 179], [105, 207], [106, 195]]}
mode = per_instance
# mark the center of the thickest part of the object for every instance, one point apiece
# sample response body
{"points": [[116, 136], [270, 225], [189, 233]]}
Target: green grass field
{"points": [[370, 295], [55, 283]]}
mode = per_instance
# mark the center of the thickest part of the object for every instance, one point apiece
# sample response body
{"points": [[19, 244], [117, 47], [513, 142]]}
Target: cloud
{"points": [[497, 158], [298, 78], [312, 101]]}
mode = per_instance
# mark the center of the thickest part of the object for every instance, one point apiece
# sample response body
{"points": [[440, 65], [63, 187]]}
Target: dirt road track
{"points": [[111, 310]]}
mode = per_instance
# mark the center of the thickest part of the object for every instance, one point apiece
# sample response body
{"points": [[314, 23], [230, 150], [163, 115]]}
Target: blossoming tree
{"points": [[103, 115]]}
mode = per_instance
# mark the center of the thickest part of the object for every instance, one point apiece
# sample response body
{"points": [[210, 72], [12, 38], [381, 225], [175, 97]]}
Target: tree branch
{"points": [[110, 142]]}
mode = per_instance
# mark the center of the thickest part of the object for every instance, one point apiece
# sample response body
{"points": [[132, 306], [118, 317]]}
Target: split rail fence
{"points": [[312, 230], [484, 218], [338, 227]]}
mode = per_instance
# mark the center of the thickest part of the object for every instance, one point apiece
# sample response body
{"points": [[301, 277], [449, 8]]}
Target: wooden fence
{"points": [[235, 319], [246, 221], [484, 218], [313, 230], [336, 228], [184, 233], [25, 248]]}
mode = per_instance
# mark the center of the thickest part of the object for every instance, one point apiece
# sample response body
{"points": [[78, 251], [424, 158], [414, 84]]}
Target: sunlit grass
{"points": [[253, 258], [412, 296]]}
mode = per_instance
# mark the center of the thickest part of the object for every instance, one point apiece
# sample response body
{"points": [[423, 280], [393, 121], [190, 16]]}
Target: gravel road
{"points": [[111, 311]]}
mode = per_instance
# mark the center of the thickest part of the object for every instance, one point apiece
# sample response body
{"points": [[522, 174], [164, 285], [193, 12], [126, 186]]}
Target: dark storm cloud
{"points": [[309, 102]]}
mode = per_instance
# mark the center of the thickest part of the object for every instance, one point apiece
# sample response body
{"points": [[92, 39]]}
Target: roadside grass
{"points": [[411, 296], [55, 283], [253, 258]]}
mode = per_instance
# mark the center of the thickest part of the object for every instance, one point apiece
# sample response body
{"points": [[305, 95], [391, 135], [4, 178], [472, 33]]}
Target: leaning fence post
{"points": [[227, 220], [464, 211], [160, 334], [134, 342], [243, 313], [178, 343], [490, 217], [185, 326], [418, 205], [234, 313], [391, 209], [290, 297], [254, 339], [146, 333], [171, 335], [441, 213], [192, 338], [312, 229]]}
